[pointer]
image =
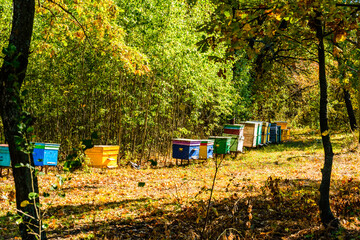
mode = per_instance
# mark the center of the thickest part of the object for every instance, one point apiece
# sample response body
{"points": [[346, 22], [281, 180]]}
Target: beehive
{"points": [[221, 144], [283, 124], [38, 154], [46, 154], [103, 156], [251, 134], [278, 134], [273, 133], [51, 154], [285, 134], [185, 148], [264, 132], [234, 129], [206, 149], [259, 131], [4, 156], [236, 142]]}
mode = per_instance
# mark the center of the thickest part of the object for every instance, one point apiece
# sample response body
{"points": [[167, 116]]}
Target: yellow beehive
{"points": [[285, 134], [103, 156], [264, 132]]}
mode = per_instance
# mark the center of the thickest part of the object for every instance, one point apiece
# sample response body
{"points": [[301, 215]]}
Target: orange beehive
{"points": [[103, 156], [285, 134], [283, 124]]}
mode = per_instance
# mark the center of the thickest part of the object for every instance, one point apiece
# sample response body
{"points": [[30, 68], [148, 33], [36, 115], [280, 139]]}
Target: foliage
{"points": [[127, 71]]}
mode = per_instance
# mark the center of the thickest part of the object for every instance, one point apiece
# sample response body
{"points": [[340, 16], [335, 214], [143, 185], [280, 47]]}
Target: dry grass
{"points": [[110, 204]]}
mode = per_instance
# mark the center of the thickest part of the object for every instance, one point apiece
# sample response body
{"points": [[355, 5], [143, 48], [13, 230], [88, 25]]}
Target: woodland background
{"points": [[136, 78]]}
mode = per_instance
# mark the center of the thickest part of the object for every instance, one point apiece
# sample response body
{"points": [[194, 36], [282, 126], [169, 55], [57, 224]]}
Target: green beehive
{"points": [[259, 133], [236, 143], [222, 144]]}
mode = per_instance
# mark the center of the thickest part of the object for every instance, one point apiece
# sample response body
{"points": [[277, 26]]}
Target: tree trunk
{"points": [[346, 96], [12, 75], [327, 217], [350, 110]]}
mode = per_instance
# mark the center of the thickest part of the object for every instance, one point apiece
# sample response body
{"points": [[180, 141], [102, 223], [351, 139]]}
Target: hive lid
{"points": [[234, 126], [54, 146], [219, 137], [186, 139]]}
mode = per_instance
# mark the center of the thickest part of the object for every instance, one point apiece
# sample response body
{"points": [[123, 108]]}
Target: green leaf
{"points": [[45, 194], [62, 194], [33, 195], [30, 129], [141, 184], [19, 221]]}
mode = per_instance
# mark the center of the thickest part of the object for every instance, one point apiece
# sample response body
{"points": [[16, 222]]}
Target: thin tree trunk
{"points": [[346, 97], [12, 75], [327, 217], [121, 103], [358, 94], [350, 110]]}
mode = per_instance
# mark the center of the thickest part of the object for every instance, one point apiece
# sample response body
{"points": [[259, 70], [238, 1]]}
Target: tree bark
{"points": [[346, 96], [12, 75], [350, 110], [327, 217]]}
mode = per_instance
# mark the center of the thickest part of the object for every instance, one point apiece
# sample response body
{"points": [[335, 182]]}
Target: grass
{"points": [[266, 193]]}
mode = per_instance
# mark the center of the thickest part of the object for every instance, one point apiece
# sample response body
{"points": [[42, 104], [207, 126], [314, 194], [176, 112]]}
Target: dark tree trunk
{"points": [[327, 217], [350, 110], [346, 96], [12, 75]]}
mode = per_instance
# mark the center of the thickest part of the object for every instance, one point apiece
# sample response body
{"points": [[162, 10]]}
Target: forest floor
{"points": [[266, 193]]}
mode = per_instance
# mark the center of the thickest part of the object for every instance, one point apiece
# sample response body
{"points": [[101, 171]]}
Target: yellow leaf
{"points": [[325, 133], [247, 27], [339, 36], [198, 219], [277, 17], [24, 203]]}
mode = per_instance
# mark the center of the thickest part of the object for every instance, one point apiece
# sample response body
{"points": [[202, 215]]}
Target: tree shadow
{"points": [[87, 207]]}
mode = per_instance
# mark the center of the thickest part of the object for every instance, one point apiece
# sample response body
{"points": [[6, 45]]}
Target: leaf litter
{"points": [[266, 193]]}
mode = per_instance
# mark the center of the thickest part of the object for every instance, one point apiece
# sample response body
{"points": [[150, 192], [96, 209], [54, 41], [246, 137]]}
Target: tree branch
{"points": [[76, 20]]}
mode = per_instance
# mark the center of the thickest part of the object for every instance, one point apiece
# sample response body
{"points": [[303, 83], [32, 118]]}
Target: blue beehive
{"points": [[46, 154], [185, 148], [273, 133], [4, 156], [38, 154], [51, 154]]}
